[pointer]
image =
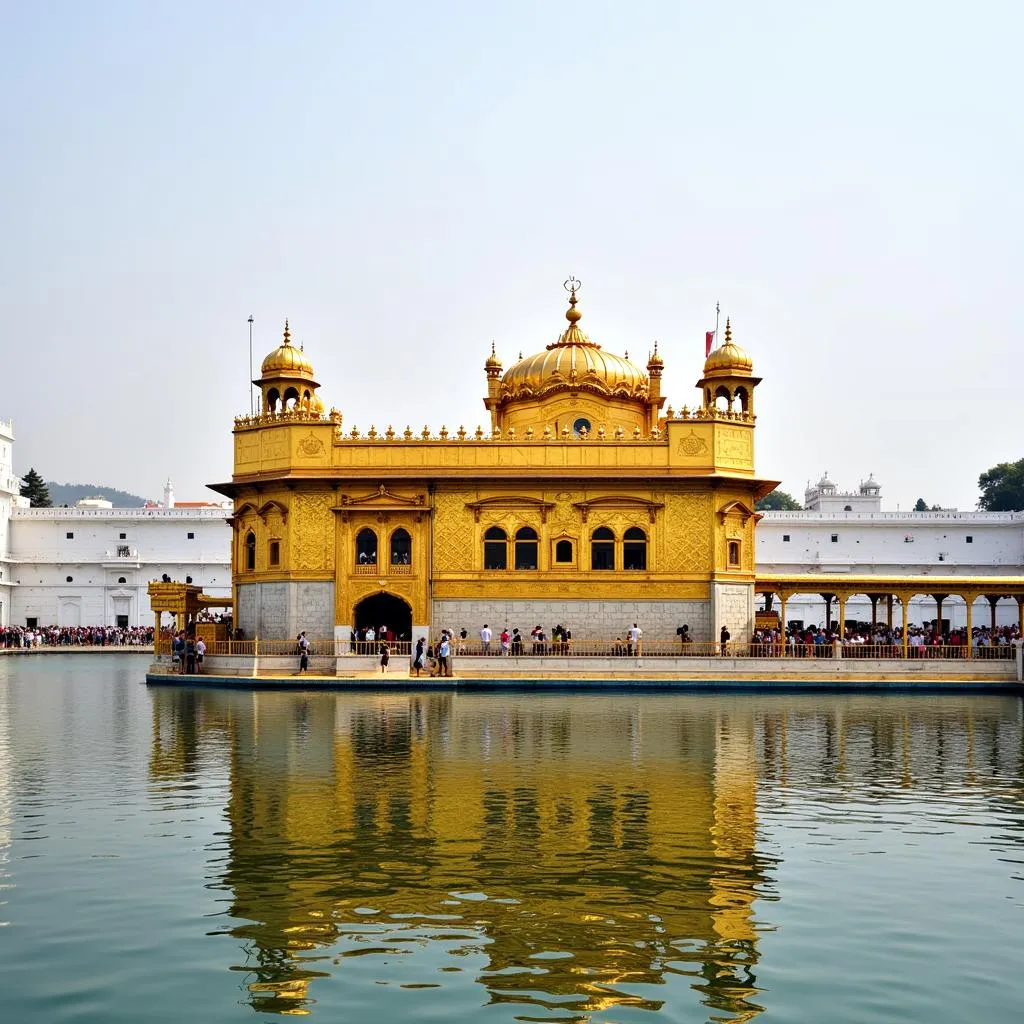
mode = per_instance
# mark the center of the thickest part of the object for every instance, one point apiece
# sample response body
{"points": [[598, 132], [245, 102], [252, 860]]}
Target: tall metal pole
{"points": [[718, 309], [252, 407]]}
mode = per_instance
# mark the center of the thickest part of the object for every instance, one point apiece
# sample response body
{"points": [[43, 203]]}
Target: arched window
{"points": [[366, 547], [291, 398], [526, 548], [121, 579], [275, 552], [495, 548], [563, 551], [250, 551], [734, 554], [401, 547], [273, 397], [741, 401], [602, 549], [634, 549]]}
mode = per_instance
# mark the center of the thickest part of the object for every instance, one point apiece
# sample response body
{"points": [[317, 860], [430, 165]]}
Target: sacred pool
{"points": [[173, 854]]}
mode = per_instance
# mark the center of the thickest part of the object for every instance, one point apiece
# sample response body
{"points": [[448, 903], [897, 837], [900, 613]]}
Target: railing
{"points": [[383, 569], [654, 648]]}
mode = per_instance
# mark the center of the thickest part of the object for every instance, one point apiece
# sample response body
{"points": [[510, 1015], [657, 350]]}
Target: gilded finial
{"points": [[728, 332], [572, 314], [287, 333]]}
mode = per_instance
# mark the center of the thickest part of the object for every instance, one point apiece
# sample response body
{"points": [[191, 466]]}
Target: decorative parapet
{"points": [[286, 416]]}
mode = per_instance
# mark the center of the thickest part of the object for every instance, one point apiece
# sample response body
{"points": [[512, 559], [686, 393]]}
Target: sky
{"points": [[407, 182]]}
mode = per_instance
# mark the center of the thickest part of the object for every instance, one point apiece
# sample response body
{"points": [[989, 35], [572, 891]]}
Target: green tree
{"points": [[921, 506], [1002, 487], [778, 501], [33, 488]]}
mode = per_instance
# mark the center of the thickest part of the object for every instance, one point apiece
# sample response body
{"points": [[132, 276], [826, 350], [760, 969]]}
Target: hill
{"points": [[68, 494]]}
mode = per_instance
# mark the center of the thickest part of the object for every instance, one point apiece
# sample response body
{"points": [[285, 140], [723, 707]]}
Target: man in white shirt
{"points": [[485, 639], [635, 633]]}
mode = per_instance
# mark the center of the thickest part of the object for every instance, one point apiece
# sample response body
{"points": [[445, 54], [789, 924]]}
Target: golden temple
{"points": [[587, 502]]}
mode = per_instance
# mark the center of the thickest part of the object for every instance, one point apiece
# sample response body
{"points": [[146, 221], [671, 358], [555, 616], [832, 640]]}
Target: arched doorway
{"points": [[384, 610]]}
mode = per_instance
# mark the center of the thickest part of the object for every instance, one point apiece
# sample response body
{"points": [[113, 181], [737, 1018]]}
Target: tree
{"points": [[33, 488], [921, 506], [778, 501], [1002, 487]]}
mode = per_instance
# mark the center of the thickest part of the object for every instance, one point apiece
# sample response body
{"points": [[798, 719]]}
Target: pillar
{"points": [[969, 598], [1020, 613], [827, 598], [993, 600], [873, 598], [939, 598], [842, 617], [904, 600]]}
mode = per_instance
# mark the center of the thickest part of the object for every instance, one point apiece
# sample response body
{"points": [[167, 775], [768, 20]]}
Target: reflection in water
{"points": [[576, 854]]}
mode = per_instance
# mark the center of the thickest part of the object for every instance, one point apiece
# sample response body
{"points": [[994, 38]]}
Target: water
{"points": [[173, 855]]}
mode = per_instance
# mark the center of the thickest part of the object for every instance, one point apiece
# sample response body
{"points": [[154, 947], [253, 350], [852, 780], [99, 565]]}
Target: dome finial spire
{"points": [[287, 333], [572, 314], [728, 332]]}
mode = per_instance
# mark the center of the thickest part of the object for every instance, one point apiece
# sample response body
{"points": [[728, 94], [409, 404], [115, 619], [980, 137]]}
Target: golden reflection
{"points": [[573, 853]]}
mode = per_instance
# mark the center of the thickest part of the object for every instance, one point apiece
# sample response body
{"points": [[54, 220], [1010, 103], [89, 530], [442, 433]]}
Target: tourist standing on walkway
{"points": [[418, 659], [385, 656], [485, 639], [190, 655], [303, 652], [724, 637], [444, 653], [505, 640], [635, 633], [200, 654]]}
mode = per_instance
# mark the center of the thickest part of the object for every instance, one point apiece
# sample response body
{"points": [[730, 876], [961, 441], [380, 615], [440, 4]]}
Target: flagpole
{"points": [[252, 407], [718, 310]]}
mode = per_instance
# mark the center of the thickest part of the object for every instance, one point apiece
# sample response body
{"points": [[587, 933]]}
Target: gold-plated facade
{"points": [[583, 494]]}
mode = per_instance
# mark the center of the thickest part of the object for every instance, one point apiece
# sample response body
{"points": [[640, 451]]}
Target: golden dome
{"points": [[655, 359], [287, 359], [728, 357], [574, 362], [493, 362]]}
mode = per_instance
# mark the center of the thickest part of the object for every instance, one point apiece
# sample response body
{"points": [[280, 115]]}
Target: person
{"points": [[303, 645], [683, 633], [200, 654], [418, 657], [506, 639], [444, 651], [178, 653], [385, 656], [635, 633], [461, 646], [190, 655], [517, 643], [485, 639], [724, 638]]}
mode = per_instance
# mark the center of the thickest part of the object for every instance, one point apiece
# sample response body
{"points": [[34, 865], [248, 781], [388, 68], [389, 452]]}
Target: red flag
{"points": [[709, 337]]}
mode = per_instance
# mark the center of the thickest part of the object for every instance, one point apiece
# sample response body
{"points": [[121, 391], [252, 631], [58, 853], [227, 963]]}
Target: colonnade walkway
{"points": [[885, 591]]}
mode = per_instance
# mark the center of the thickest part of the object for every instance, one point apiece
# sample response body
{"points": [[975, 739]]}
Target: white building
{"points": [[90, 565], [847, 532]]}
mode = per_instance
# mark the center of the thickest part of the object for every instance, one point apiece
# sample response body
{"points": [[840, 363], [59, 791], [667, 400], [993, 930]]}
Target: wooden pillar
{"points": [[969, 598]]}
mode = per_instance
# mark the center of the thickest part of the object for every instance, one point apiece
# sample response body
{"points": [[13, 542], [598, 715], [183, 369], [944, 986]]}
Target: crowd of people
{"points": [[863, 640], [75, 636]]}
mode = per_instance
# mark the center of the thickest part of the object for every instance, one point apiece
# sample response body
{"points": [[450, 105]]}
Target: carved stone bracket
{"points": [[619, 502], [511, 501]]}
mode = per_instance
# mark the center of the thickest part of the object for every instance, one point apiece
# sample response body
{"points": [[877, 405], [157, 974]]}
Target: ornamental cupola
{"points": [[286, 380], [728, 382]]}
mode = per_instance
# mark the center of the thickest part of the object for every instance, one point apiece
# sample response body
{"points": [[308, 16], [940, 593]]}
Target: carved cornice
{"points": [[618, 501], [512, 501], [735, 508]]}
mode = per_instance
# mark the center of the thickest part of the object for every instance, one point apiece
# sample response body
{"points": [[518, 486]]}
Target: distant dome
{"points": [[728, 357], [287, 359]]}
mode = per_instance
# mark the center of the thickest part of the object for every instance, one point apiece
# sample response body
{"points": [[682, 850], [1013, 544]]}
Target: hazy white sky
{"points": [[407, 181]]}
